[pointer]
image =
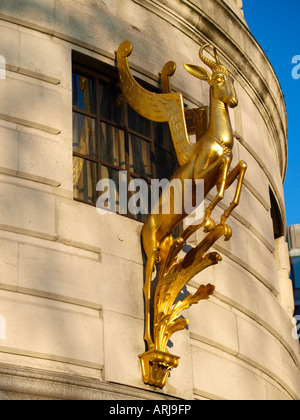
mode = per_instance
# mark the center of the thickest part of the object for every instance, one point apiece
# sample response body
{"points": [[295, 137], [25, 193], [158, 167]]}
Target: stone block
{"points": [[27, 211], [40, 14], [262, 262], [82, 226], [237, 287], [255, 178], [180, 382], [244, 292], [213, 324], [250, 252], [236, 248], [282, 255], [251, 212], [121, 285], [276, 393], [59, 271], [45, 57], [220, 377], [287, 334], [76, 20], [286, 293], [260, 220], [270, 162], [51, 330], [290, 374], [123, 343], [81, 277], [24, 105], [45, 159], [259, 348], [9, 150], [253, 127], [10, 45], [9, 251]]}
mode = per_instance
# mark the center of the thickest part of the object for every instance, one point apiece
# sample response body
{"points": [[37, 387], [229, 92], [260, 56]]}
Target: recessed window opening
{"points": [[109, 136], [276, 217]]}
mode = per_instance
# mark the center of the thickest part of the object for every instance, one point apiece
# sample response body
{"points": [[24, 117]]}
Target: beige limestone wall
{"points": [[237, 7], [71, 303]]}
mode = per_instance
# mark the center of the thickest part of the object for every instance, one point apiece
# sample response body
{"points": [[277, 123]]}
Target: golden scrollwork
{"points": [[207, 160]]}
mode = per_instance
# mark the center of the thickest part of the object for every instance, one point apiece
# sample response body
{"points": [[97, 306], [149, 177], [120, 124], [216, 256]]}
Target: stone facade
{"points": [[72, 312]]}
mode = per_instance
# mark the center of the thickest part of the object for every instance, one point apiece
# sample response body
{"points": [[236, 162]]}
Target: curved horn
{"points": [[217, 56], [211, 64]]}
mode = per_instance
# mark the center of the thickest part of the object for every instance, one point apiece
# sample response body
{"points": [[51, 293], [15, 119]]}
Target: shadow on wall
{"points": [[90, 24]]}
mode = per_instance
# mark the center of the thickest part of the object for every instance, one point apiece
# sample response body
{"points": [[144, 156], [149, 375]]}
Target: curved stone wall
{"points": [[70, 290]]}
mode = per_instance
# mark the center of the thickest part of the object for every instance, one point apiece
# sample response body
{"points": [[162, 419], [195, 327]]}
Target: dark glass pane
{"points": [[84, 179], [139, 200], [296, 271], [84, 93], [84, 135], [111, 103], [163, 136], [140, 156], [165, 163], [110, 196], [138, 124], [112, 145]]}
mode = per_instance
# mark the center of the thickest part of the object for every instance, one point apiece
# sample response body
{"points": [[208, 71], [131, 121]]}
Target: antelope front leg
{"points": [[240, 171], [226, 161]]}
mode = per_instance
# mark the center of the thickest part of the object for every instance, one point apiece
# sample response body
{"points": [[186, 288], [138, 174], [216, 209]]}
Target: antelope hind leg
{"points": [[238, 171], [225, 160]]}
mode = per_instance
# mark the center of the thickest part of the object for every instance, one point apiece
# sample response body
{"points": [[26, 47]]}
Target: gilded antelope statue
{"points": [[208, 159]]}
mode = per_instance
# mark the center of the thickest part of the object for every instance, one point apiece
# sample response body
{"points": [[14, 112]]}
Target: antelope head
{"points": [[221, 82]]}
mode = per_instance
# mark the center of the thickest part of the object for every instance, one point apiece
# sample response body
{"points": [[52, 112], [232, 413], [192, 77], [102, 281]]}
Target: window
{"points": [[276, 217], [109, 137], [295, 266]]}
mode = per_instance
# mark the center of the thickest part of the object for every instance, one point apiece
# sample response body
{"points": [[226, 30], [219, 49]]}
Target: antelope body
{"points": [[210, 161]]}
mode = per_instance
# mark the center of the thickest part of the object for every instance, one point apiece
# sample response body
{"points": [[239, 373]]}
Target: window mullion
{"points": [[98, 129], [126, 143]]}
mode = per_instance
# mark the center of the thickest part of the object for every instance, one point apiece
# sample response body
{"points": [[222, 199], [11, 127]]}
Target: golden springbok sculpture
{"points": [[208, 159]]}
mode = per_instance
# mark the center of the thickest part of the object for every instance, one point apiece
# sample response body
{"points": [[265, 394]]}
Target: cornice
{"points": [[18, 382], [214, 21]]}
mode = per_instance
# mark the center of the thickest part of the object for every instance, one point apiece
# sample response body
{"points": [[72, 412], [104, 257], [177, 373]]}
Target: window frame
{"points": [[103, 73]]}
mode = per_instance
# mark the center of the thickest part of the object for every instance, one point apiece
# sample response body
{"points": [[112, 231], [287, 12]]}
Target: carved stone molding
{"points": [[20, 383]]}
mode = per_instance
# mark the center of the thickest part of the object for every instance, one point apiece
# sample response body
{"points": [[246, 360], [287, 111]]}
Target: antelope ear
{"points": [[198, 72]]}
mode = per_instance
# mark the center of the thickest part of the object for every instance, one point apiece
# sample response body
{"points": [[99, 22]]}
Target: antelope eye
{"points": [[219, 80]]}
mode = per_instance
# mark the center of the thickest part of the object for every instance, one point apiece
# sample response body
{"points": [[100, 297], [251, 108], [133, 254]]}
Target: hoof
{"points": [[209, 224], [227, 233]]}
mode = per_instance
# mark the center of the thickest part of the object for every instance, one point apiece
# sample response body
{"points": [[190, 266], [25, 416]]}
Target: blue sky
{"points": [[276, 26]]}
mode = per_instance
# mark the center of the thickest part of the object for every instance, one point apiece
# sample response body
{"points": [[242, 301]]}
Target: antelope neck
{"points": [[219, 122]]}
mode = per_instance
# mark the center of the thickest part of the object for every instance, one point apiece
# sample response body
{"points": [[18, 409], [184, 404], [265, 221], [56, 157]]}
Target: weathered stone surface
{"points": [[72, 310], [27, 210], [61, 332]]}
